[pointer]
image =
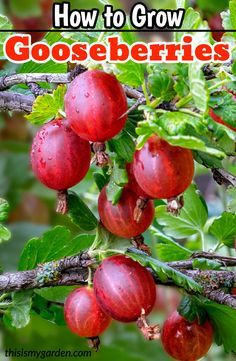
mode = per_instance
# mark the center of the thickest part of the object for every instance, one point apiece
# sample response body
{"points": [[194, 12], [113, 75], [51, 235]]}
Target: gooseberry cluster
{"points": [[123, 290], [96, 111]]}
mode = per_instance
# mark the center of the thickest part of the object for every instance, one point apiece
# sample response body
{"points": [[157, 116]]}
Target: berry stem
{"points": [[145, 92], [62, 202], [140, 206], [203, 240], [174, 205], [90, 277], [190, 112], [149, 332], [101, 158], [94, 343], [138, 242], [189, 97], [3, 296]]}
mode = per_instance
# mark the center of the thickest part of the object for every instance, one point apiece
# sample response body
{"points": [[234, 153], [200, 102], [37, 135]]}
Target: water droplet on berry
{"points": [[42, 163]]}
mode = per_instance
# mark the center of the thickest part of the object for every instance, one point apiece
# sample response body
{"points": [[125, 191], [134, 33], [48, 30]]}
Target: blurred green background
{"points": [[32, 210]]}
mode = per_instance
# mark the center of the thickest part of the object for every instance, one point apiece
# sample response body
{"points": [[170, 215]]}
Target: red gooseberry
{"points": [[59, 158], [119, 219], [133, 184], [186, 341], [95, 104], [83, 315], [163, 171], [124, 288], [215, 23]]}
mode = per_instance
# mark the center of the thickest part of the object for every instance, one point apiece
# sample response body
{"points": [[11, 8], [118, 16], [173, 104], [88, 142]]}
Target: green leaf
{"points": [[50, 312], [206, 264], [180, 4], [167, 249], [198, 86], [223, 319], [130, 73], [224, 229], [226, 109], [100, 180], [53, 245], [119, 175], [226, 20], [86, 36], [80, 214], [231, 192], [4, 210], [191, 21], [25, 9], [4, 24], [191, 220], [190, 309], [165, 272], [118, 180], [18, 313], [209, 161], [49, 67], [5, 234], [114, 192], [181, 84], [47, 107], [213, 6], [133, 118], [183, 130], [55, 294], [123, 145], [232, 9], [161, 85]]}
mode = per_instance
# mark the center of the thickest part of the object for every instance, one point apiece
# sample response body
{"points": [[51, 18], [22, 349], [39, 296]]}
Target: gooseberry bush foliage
{"points": [[168, 115]]}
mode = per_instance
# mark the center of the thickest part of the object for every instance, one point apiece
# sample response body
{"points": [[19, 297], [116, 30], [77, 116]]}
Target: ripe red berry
{"points": [[124, 288], [133, 184], [186, 341], [119, 219], [218, 119], [162, 170], [83, 315], [215, 23], [60, 159], [95, 103]]}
